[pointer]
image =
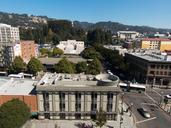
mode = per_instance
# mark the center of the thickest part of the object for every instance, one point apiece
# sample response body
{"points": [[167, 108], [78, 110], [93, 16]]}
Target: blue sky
{"points": [[155, 13]]}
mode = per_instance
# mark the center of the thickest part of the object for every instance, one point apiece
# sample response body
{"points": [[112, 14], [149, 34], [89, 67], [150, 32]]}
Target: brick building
{"points": [[151, 68], [28, 50], [22, 89]]}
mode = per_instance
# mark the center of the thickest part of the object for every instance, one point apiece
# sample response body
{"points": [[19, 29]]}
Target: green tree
{"points": [[98, 36], [57, 51], [64, 66], [17, 66], [34, 66], [45, 52], [91, 53], [13, 114], [81, 67], [94, 67], [101, 118]]}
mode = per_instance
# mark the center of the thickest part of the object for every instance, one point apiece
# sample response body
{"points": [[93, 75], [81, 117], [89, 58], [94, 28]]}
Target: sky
{"points": [[155, 13]]}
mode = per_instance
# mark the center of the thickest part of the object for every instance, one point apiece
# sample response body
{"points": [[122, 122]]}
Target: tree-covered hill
{"points": [[115, 26]]}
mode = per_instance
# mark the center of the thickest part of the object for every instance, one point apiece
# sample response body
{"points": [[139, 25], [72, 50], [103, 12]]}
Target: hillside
{"points": [[114, 27], [25, 20]]}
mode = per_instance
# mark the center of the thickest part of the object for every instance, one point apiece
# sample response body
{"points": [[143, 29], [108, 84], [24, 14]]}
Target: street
{"points": [[158, 119]]}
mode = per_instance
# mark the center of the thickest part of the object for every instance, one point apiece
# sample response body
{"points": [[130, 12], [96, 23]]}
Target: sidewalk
{"points": [[128, 122]]}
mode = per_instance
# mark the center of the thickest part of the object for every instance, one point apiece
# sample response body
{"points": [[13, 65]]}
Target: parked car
{"points": [[144, 112], [168, 96]]}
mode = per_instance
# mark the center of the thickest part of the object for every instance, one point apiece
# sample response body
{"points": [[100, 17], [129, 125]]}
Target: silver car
{"points": [[144, 112]]}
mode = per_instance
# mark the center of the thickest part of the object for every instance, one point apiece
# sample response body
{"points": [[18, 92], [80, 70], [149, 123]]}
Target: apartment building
{"points": [[150, 67], [77, 96], [8, 33], [161, 44], [127, 34], [8, 51], [9, 44], [71, 46], [28, 50]]}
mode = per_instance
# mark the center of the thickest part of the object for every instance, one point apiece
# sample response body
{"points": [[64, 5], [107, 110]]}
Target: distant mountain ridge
{"points": [[115, 26], [25, 20]]}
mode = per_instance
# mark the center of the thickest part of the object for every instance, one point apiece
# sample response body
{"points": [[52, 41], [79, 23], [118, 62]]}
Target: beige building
{"points": [[161, 44], [71, 46], [77, 96], [127, 34]]}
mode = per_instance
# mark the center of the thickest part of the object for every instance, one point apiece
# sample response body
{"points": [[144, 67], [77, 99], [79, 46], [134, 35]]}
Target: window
{"points": [[161, 73], [152, 66], [165, 73], [152, 72], [161, 66]]}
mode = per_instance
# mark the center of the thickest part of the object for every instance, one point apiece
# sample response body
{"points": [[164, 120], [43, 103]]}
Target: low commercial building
{"points": [[22, 89], [150, 67], [77, 96], [50, 62], [71, 46], [161, 44], [127, 34]]}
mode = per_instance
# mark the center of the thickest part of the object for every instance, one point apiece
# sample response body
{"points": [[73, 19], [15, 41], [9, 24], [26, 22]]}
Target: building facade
{"points": [[8, 33], [28, 50], [149, 68], [9, 44], [161, 44], [71, 46], [127, 34], [75, 97], [8, 51]]}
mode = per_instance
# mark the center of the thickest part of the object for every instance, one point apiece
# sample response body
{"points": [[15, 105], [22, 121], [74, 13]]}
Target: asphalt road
{"points": [[158, 119]]}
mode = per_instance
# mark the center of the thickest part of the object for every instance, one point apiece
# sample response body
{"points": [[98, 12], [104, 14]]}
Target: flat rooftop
{"points": [[52, 61], [152, 57], [12, 86], [72, 82]]}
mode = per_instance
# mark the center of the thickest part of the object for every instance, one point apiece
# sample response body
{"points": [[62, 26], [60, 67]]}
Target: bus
{"points": [[132, 87]]}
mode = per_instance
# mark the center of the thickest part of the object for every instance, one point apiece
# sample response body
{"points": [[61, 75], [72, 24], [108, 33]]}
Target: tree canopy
{"points": [[17, 66], [82, 67], [34, 66], [13, 114], [91, 53], [99, 36], [101, 118], [57, 51], [64, 66], [94, 67]]}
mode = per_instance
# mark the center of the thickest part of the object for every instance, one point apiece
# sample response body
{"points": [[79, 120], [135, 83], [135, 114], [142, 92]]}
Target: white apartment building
{"points": [[77, 96], [8, 33], [71, 46], [127, 34], [9, 44]]}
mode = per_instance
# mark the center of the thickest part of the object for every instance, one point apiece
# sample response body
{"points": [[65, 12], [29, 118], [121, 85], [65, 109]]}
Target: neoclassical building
{"points": [[77, 96]]}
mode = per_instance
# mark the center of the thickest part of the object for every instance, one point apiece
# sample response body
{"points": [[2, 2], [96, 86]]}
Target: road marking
{"points": [[157, 92], [142, 121], [150, 97], [149, 104]]}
